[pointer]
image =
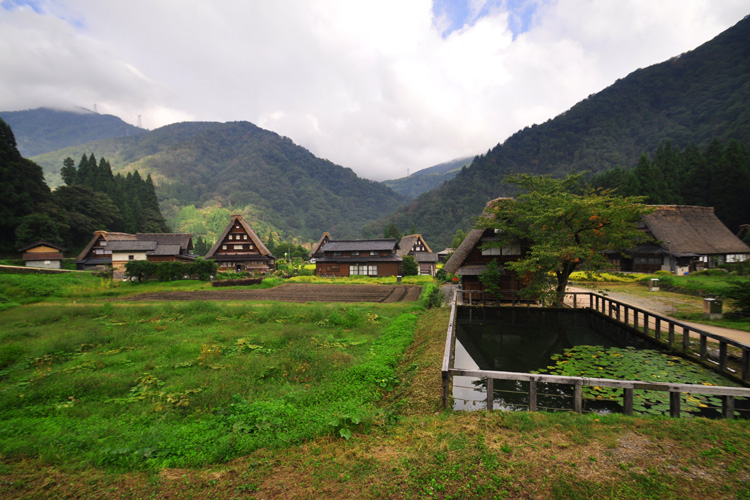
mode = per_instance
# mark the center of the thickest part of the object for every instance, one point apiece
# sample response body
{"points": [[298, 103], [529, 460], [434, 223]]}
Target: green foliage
{"points": [[633, 364], [490, 279], [22, 188], [427, 179], [391, 231], [142, 270], [182, 385], [43, 129], [431, 296], [717, 176], [35, 227], [562, 225], [409, 266], [739, 292]]}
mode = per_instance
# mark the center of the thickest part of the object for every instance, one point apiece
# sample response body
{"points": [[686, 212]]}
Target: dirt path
{"points": [[666, 305], [297, 292]]}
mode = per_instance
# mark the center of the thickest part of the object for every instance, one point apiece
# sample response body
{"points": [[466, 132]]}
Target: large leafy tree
{"points": [[564, 225]]}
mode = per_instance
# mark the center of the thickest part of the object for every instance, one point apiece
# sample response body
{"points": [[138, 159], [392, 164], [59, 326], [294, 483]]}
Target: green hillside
{"points": [[427, 179], [43, 130], [238, 167], [688, 100]]}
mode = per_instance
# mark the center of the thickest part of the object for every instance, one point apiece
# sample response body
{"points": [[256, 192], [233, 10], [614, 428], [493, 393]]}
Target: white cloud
{"points": [[374, 86]]}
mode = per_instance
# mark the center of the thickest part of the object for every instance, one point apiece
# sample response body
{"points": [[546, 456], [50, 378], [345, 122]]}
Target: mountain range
{"points": [[243, 168], [428, 178], [687, 100]]}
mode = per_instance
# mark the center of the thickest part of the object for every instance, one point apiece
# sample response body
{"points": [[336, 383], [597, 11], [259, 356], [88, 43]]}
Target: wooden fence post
{"points": [[532, 395], [490, 394], [674, 404], [578, 396], [628, 401], [727, 406]]}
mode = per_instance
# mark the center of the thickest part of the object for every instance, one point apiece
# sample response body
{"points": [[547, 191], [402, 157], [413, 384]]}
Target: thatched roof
{"points": [[687, 229], [407, 243], [253, 237], [318, 248], [471, 240]]}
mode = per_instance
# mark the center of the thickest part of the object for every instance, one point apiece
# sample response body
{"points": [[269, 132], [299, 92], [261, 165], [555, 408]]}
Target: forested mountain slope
{"points": [[428, 178], [43, 130], [280, 186], [690, 99]]}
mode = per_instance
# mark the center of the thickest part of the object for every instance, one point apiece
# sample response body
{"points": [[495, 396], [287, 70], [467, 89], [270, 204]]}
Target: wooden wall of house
{"points": [[342, 269]]}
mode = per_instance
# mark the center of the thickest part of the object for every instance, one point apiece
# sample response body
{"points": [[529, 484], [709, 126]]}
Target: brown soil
{"points": [[297, 292]]}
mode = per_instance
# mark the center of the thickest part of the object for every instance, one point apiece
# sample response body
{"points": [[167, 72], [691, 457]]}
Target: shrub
{"points": [[409, 266], [168, 271], [431, 296], [739, 291]]}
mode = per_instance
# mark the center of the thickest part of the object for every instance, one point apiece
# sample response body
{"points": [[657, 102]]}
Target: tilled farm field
{"points": [[298, 292]]}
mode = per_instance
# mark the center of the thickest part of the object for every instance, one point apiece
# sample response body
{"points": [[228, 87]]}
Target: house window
{"points": [[223, 247], [355, 254], [244, 236], [337, 254], [250, 246], [373, 252], [492, 251], [238, 247], [230, 237], [363, 270], [131, 257]]}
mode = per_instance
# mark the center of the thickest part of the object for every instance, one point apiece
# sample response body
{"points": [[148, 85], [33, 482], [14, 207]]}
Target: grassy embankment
{"points": [[230, 400]]}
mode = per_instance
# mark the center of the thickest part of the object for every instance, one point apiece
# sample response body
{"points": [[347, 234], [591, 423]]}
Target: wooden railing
{"points": [[601, 304], [666, 331]]}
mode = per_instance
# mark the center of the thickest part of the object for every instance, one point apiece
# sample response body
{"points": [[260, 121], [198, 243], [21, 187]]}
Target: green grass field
{"points": [[100, 399]]}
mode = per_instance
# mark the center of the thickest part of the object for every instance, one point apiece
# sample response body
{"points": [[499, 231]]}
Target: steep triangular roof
{"points": [[323, 240], [471, 240], [253, 237], [690, 229], [407, 243]]}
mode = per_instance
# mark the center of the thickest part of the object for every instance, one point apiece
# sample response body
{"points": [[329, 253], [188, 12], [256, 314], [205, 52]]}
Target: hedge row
{"points": [[142, 270]]}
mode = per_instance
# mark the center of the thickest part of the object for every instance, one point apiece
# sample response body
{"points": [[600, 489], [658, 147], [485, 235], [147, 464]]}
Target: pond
{"points": [[571, 343]]}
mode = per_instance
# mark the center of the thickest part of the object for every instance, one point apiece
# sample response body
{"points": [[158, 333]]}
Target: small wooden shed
{"points": [[43, 254]]}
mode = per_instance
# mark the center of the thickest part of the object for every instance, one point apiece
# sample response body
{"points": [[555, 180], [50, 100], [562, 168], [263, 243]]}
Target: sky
{"points": [[379, 86]]}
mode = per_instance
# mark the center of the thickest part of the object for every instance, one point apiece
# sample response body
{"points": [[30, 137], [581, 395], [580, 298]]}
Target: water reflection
{"points": [[524, 340]]}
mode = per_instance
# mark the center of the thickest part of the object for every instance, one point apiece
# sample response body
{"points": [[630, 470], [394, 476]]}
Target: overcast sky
{"points": [[379, 86]]}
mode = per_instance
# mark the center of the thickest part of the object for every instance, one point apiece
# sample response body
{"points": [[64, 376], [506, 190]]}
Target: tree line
{"points": [[717, 176], [92, 199]]}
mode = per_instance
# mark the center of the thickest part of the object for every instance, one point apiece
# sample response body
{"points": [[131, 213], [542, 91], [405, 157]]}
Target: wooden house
{"points": [[239, 248], [96, 255], [683, 239], [43, 254], [471, 258], [117, 249], [359, 257], [415, 245]]}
